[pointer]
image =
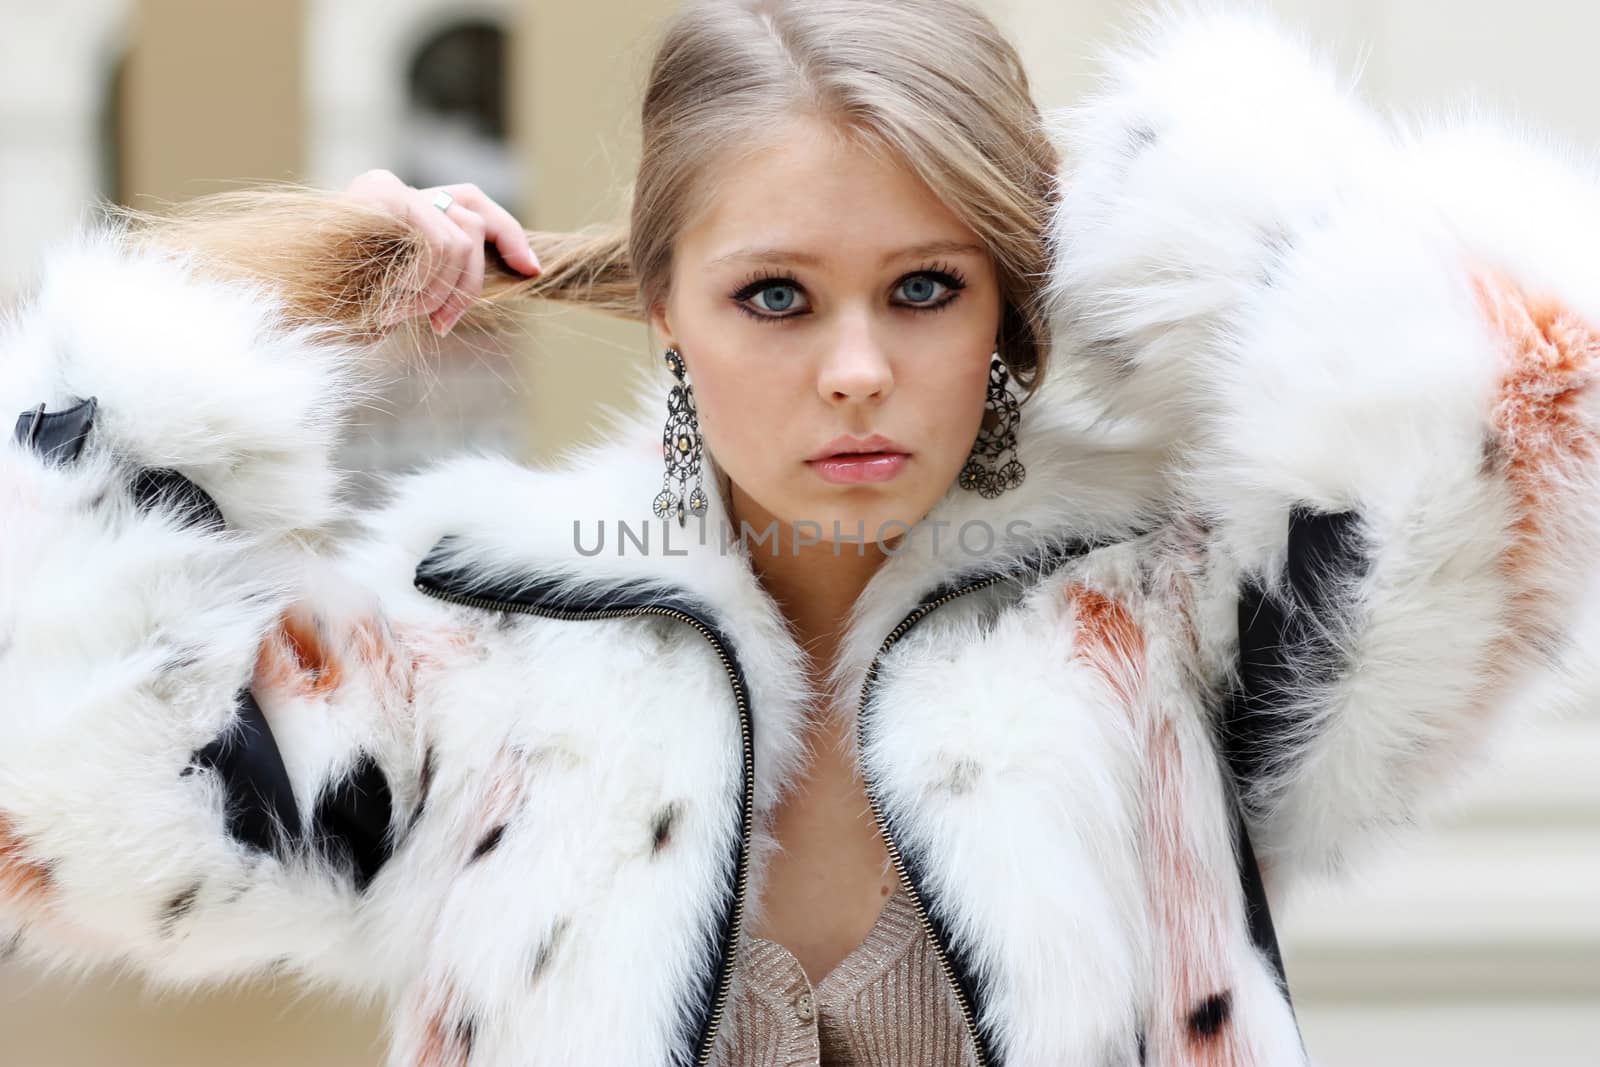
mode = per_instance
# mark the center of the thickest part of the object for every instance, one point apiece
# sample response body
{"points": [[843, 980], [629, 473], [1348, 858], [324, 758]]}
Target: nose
{"points": [[856, 368]]}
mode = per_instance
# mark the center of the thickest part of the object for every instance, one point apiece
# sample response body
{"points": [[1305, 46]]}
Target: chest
{"points": [[1038, 773], [830, 875]]}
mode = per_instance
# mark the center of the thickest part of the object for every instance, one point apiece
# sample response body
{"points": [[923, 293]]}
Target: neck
{"points": [[814, 584]]}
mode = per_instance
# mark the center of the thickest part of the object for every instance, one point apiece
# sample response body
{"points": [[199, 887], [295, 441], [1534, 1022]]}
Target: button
{"points": [[802, 1007]]}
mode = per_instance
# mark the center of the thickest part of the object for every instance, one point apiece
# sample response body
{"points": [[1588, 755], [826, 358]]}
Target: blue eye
{"points": [[778, 298], [771, 299], [919, 289], [930, 290]]}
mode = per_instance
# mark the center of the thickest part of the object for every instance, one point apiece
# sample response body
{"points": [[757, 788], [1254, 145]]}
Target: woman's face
{"points": [[827, 293]]}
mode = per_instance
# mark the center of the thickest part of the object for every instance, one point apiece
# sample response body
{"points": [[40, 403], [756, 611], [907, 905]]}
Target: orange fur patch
{"points": [[1187, 900], [297, 659], [1544, 437], [1109, 638], [446, 1042], [22, 880], [376, 648], [1545, 448]]}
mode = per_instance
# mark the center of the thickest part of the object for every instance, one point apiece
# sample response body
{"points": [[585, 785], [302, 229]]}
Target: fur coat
{"points": [[1310, 507]]}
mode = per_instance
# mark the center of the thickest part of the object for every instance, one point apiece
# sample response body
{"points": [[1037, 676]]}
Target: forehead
{"points": [[810, 189]]}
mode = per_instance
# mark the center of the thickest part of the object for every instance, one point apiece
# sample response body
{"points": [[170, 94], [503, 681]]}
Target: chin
{"points": [[888, 518]]}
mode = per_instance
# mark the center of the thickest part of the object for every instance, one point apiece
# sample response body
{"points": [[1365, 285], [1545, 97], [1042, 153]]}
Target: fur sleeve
{"points": [[1373, 353], [208, 748]]}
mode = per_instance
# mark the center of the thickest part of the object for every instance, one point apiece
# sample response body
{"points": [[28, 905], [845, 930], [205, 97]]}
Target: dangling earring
{"points": [[680, 440], [994, 441]]}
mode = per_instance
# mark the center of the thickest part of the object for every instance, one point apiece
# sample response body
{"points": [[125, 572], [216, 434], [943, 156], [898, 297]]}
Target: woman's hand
{"points": [[456, 239]]}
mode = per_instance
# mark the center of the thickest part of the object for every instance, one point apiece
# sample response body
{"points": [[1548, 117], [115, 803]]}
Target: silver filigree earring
{"points": [[996, 437], [681, 449]]}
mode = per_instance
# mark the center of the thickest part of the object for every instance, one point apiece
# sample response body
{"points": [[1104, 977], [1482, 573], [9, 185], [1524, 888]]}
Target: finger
{"points": [[466, 286], [500, 228], [444, 249], [469, 287], [447, 249], [380, 187], [448, 282]]}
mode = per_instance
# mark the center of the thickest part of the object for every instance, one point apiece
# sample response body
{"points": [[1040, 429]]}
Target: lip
{"points": [[851, 460], [851, 469], [846, 444]]}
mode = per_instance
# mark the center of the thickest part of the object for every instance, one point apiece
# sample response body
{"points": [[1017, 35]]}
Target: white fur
{"points": [[1286, 283], [1262, 301]]}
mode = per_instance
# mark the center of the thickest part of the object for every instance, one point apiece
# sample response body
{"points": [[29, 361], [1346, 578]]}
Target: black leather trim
{"points": [[58, 436], [441, 571], [261, 809], [1258, 915], [562, 594], [1043, 561], [1285, 641], [1285, 647]]}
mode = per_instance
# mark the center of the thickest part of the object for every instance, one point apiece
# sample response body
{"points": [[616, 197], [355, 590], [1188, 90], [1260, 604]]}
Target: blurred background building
{"points": [[1479, 945]]}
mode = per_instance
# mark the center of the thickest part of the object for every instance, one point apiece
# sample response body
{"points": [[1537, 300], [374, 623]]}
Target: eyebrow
{"points": [[782, 255]]}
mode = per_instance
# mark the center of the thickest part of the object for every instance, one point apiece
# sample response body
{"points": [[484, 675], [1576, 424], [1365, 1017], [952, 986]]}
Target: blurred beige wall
{"points": [[214, 90], [579, 87]]}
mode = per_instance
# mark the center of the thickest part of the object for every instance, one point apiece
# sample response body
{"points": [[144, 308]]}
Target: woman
{"points": [[894, 696]]}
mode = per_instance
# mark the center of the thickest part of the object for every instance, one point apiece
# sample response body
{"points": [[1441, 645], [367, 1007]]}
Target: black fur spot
{"points": [[180, 661], [424, 783], [466, 1035], [1493, 455], [1142, 1043], [547, 949], [159, 488], [964, 774], [1140, 138], [177, 906], [1117, 354], [1208, 1019], [1276, 244], [10, 946], [661, 828], [488, 844], [350, 828]]}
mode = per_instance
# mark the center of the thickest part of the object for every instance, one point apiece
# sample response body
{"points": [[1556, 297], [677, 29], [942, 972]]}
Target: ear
{"points": [[661, 324]]}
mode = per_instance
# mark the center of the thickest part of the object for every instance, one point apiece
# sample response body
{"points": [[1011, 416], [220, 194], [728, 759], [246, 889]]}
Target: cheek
{"points": [[742, 412], [959, 405], [737, 405]]}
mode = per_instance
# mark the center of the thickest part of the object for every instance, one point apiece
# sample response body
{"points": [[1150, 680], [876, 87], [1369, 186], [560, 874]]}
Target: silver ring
{"points": [[443, 200]]}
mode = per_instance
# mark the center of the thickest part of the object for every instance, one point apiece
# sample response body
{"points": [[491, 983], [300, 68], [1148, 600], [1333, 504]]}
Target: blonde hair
{"points": [[932, 82]]}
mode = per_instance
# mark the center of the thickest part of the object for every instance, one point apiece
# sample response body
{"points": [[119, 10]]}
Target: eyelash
{"points": [[945, 274]]}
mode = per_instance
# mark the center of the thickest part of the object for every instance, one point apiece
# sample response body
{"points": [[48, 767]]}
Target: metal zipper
{"points": [[746, 732], [941, 951], [746, 737]]}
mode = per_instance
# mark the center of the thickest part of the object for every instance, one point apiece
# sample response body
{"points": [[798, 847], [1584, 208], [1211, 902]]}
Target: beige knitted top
{"points": [[886, 1004]]}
